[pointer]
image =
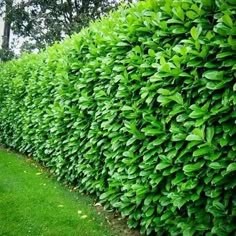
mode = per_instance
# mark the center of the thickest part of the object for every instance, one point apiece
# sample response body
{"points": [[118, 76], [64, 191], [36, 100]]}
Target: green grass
{"points": [[32, 203]]}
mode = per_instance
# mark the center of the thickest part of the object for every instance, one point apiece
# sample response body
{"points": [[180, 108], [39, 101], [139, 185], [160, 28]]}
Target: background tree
{"points": [[42, 22], [5, 52]]}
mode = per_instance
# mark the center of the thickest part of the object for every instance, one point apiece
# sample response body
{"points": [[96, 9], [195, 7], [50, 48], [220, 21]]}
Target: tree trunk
{"points": [[7, 25]]}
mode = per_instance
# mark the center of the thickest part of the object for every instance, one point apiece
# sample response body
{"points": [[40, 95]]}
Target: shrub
{"points": [[138, 109]]}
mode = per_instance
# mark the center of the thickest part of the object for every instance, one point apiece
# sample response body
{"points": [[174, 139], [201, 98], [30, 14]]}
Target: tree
{"points": [[42, 22], [5, 52], [7, 25]]}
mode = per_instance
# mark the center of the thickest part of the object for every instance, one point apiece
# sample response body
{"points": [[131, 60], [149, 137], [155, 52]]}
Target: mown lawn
{"points": [[32, 203]]}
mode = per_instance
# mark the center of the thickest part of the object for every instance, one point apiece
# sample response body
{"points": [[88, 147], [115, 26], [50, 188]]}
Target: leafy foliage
{"points": [[138, 109], [6, 55]]}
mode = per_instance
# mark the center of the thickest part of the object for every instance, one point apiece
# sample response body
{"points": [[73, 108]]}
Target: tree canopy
{"points": [[41, 22]]}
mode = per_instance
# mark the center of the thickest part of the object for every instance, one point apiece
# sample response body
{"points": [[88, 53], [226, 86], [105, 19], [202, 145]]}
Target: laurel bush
{"points": [[140, 110]]}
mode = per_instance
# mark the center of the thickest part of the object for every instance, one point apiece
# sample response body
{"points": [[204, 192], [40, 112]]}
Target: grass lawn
{"points": [[31, 203]]}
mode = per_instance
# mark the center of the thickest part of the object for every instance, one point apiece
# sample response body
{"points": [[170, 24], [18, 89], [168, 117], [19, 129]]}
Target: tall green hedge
{"points": [[139, 109]]}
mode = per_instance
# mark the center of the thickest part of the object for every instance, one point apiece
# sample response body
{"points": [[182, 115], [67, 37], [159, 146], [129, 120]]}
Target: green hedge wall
{"points": [[139, 109]]}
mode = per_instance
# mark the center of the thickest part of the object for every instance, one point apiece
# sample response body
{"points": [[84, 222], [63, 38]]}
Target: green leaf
{"points": [[104, 195], [227, 20], [215, 85], [215, 165], [179, 13], [195, 32], [164, 100], [193, 137], [167, 214], [202, 151], [197, 112], [199, 132], [178, 179], [225, 54], [162, 165], [219, 205], [164, 92], [151, 53], [210, 134], [152, 131], [231, 167], [177, 98], [234, 87], [193, 167], [149, 212], [179, 30], [178, 137], [214, 75], [122, 44], [179, 202], [191, 15]]}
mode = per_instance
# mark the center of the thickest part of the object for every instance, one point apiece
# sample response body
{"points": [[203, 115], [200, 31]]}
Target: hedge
{"points": [[140, 110]]}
